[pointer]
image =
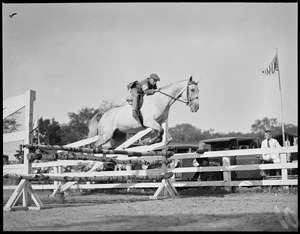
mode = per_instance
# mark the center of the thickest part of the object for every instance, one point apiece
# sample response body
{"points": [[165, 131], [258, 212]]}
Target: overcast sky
{"points": [[76, 55]]}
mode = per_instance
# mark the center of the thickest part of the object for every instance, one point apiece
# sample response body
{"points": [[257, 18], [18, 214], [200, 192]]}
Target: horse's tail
{"points": [[93, 126]]}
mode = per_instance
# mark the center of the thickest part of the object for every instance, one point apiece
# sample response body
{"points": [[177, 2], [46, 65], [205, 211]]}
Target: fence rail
{"points": [[226, 169]]}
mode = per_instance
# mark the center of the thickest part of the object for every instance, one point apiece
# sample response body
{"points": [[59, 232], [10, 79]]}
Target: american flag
{"points": [[273, 67]]}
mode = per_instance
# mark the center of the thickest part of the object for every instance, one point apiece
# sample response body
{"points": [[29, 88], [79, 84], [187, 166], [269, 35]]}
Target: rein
{"points": [[174, 97], [178, 96]]}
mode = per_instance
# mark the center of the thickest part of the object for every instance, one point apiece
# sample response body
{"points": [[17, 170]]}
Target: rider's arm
{"points": [[147, 90]]}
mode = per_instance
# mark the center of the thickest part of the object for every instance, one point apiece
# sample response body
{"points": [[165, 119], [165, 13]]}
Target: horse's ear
{"points": [[191, 78]]}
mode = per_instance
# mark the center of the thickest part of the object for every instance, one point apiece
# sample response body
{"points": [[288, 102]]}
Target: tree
{"points": [[185, 133], [260, 126], [49, 131], [77, 128], [10, 123], [291, 129]]}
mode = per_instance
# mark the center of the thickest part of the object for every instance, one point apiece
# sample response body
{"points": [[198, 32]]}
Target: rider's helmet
{"points": [[154, 77]]}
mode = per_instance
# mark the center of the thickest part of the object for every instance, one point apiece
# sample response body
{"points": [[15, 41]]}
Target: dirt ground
{"points": [[195, 210]]}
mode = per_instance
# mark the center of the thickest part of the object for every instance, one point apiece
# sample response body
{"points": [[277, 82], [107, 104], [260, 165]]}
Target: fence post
{"points": [[226, 173], [28, 136], [171, 168], [284, 172], [56, 170], [59, 171]]}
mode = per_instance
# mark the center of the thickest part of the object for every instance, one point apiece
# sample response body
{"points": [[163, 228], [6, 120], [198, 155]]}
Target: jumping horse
{"points": [[117, 122]]}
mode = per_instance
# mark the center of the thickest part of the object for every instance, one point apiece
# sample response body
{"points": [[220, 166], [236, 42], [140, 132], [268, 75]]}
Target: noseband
{"points": [[189, 99]]}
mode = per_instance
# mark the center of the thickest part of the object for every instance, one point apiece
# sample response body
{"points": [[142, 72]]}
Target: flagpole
{"points": [[38, 131], [282, 122]]}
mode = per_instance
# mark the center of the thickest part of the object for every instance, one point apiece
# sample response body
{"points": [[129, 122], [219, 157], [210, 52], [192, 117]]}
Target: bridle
{"points": [[189, 99]]}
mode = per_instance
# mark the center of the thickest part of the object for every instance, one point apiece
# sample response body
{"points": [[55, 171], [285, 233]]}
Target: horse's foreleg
{"points": [[158, 137], [156, 127]]}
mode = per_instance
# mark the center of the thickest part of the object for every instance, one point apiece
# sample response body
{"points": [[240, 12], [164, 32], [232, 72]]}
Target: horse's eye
{"points": [[192, 90]]}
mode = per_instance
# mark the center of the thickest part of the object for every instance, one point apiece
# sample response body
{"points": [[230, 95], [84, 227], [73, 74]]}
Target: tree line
{"points": [[52, 132]]}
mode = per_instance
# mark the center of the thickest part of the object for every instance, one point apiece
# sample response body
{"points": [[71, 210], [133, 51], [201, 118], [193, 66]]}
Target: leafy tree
{"points": [[260, 126], [188, 133], [291, 129], [185, 133], [49, 131], [77, 128], [105, 106], [10, 123]]}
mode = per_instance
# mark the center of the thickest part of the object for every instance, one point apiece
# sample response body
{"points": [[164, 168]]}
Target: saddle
{"points": [[132, 84]]}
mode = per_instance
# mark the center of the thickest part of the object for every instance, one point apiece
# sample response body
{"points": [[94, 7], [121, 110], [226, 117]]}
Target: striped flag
{"points": [[273, 67]]}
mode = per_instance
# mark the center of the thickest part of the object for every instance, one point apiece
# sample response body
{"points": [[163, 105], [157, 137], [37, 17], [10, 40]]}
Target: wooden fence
{"points": [[226, 169]]}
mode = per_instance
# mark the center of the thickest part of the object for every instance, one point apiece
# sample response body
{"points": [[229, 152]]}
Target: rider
{"points": [[138, 89]]}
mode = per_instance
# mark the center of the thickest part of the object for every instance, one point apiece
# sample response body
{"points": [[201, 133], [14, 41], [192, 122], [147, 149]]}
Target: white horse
{"points": [[117, 122]]}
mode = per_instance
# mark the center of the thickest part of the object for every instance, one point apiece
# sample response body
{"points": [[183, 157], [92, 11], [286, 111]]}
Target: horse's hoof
{"points": [[158, 140]]}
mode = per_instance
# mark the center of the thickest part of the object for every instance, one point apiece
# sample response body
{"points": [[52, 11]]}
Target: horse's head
{"points": [[191, 95]]}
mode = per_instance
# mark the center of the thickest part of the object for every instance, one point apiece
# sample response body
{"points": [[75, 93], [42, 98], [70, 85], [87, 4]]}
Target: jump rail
{"points": [[99, 151], [165, 188], [226, 169]]}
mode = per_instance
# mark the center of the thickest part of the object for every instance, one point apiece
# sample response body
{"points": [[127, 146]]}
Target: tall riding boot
{"points": [[138, 116]]}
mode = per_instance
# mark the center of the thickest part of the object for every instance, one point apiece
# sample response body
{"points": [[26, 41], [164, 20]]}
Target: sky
{"points": [[77, 55]]}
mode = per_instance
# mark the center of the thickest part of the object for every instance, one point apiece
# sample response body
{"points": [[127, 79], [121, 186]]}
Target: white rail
{"points": [[226, 169]]}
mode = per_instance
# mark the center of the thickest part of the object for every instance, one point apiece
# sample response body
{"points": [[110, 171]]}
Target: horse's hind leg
{"points": [[118, 138], [102, 140]]}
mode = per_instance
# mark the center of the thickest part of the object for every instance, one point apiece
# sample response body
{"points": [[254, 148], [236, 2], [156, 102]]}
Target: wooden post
{"points": [[166, 189], [284, 172], [226, 174], [128, 168], [24, 188], [172, 167], [55, 171], [30, 98]]}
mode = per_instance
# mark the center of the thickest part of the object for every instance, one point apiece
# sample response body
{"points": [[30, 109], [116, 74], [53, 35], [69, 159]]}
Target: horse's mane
{"points": [[171, 84]]}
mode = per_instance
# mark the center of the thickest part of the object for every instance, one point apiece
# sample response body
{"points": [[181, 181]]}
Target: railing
{"points": [[226, 169]]}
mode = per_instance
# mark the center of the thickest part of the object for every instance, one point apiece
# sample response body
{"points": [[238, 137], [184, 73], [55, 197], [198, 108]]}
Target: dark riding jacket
{"points": [[143, 86]]}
